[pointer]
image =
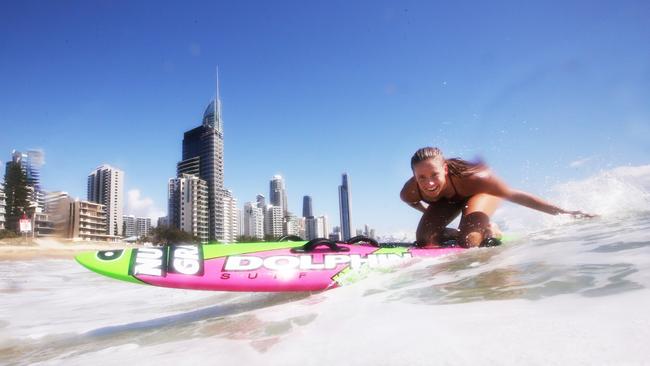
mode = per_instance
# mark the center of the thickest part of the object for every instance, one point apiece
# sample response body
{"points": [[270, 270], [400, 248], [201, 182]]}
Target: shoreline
{"points": [[50, 248]]}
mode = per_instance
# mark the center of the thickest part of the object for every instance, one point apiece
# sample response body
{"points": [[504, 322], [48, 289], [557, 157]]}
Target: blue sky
{"points": [[545, 92]]}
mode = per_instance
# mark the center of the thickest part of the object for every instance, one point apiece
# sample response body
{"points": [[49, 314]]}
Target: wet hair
{"points": [[456, 167]]}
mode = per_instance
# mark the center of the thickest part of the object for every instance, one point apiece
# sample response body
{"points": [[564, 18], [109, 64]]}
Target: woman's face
{"points": [[431, 176]]}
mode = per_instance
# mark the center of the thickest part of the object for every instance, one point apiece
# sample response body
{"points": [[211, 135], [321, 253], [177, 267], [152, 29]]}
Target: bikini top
{"points": [[453, 199]]}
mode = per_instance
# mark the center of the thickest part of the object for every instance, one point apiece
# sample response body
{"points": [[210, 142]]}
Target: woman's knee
{"points": [[473, 229]]}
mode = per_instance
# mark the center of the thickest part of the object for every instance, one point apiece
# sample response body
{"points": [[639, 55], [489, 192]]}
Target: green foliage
{"points": [[7, 234], [169, 235], [254, 239], [16, 192], [248, 239]]}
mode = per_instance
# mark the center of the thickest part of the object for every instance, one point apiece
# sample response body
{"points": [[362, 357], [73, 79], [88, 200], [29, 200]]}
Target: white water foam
{"points": [[613, 193]]}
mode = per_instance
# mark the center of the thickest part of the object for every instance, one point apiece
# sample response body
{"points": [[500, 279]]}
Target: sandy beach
{"points": [[43, 248]]}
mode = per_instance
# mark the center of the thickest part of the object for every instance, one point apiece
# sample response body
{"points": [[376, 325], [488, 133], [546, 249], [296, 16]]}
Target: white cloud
{"points": [[142, 206], [580, 162]]}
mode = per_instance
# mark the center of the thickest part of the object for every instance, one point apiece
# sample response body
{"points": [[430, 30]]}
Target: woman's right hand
{"points": [[579, 214]]}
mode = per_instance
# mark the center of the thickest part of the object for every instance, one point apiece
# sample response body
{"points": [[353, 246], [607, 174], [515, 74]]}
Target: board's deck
{"points": [[269, 266]]}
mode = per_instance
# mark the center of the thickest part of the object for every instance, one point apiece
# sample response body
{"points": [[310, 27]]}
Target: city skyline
{"points": [[343, 87]]}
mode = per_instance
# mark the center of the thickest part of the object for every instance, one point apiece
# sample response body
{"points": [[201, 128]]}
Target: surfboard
{"points": [[264, 267]]}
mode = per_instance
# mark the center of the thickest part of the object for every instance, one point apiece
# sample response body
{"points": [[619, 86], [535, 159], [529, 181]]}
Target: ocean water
{"points": [[565, 292]]}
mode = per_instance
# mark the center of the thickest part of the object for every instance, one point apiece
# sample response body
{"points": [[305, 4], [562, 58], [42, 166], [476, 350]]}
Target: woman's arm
{"points": [[410, 195], [494, 186]]}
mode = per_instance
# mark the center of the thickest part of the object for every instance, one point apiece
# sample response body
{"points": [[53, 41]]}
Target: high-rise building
{"points": [[105, 186], [311, 232], [344, 207], [253, 220], [323, 226], [278, 193], [261, 201], [231, 217], [162, 221], [128, 223], [292, 225], [316, 227], [273, 221], [188, 206], [31, 163], [3, 204], [368, 231], [336, 234], [203, 158], [142, 226], [306, 207]]}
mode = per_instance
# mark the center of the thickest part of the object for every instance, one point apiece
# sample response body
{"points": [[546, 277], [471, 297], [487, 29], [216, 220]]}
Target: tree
{"points": [[16, 195], [254, 239], [164, 235], [248, 239]]}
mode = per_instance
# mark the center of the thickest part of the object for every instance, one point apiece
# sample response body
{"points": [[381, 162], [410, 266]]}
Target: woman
{"points": [[449, 187]]}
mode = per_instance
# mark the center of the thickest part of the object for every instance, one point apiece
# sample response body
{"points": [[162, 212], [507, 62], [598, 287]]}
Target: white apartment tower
{"points": [[293, 225], [2, 207], [253, 220], [230, 217], [105, 186], [273, 221], [188, 205], [129, 226], [142, 226], [316, 227]]}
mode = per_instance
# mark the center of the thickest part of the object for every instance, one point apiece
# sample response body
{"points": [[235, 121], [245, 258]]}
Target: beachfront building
{"points": [[105, 186], [128, 226], [42, 225], [188, 206], [293, 225], [231, 217], [273, 221], [70, 218], [88, 221], [142, 226], [3, 206], [316, 227], [253, 221], [58, 208]]}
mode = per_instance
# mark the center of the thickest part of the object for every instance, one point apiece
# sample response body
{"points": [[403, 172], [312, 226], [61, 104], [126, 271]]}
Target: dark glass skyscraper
{"points": [[203, 157], [344, 207], [306, 207]]}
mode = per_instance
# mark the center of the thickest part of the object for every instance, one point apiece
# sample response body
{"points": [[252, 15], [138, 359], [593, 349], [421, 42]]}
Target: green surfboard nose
{"points": [[111, 263]]}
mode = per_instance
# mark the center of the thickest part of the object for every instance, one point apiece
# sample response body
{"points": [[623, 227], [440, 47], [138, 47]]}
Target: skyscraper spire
{"points": [[217, 106]]}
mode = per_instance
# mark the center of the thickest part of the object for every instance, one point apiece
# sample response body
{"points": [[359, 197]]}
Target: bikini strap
{"points": [[453, 186]]}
